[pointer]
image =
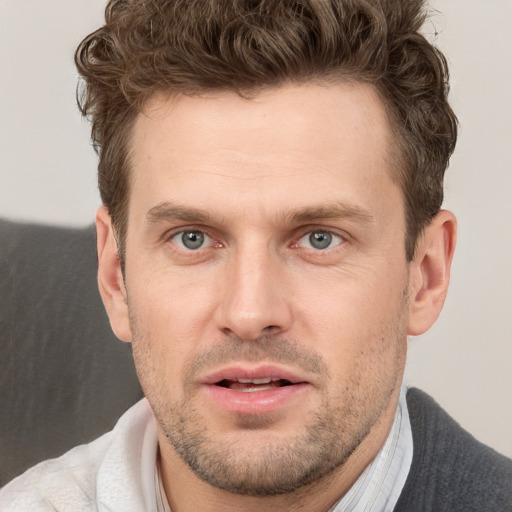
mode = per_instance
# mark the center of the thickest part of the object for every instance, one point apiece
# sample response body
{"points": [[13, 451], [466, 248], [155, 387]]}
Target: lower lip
{"points": [[255, 402]]}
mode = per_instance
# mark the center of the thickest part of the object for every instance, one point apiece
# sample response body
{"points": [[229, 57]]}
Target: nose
{"points": [[254, 298]]}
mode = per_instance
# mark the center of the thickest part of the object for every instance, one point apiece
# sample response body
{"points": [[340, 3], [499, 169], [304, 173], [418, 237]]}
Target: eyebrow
{"points": [[167, 211], [334, 211]]}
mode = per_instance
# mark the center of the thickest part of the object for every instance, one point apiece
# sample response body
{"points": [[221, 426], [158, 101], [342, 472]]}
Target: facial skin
{"points": [[266, 240]]}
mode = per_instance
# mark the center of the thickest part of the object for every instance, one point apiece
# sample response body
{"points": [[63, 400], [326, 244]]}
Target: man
{"points": [[272, 232]]}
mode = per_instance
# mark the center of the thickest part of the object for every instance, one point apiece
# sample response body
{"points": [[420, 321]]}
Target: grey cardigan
{"points": [[451, 471]]}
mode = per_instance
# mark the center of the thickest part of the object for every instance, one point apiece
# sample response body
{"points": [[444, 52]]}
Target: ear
{"points": [[430, 272], [110, 277]]}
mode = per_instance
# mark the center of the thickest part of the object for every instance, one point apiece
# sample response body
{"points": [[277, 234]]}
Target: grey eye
{"points": [[191, 240], [320, 240]]}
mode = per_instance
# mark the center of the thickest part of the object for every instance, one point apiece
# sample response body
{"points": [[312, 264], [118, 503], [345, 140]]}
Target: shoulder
{"points": [[62, 484], [85, 476], [451, 470]]}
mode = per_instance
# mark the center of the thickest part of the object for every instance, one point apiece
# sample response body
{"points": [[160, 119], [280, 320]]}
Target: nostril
{"points": [[270, 330]]}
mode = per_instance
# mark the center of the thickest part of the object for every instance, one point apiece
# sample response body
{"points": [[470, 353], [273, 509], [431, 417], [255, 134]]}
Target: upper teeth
{"points": [[266, 380]]}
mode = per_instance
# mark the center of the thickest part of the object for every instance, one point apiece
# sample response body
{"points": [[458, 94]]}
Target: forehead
{"points": [[281, 148]]}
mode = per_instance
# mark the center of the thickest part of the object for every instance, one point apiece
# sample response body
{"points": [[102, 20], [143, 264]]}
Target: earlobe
{"points": [[110, 278], [430, 272]]}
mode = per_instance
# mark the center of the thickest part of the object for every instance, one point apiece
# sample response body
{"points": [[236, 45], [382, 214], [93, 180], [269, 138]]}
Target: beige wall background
{"points": [[47, 174]]}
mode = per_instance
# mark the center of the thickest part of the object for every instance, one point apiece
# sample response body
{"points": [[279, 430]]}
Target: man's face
{"points": [[266, 280]]}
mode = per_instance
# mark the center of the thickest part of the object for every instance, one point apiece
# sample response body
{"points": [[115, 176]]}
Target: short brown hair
{"points": [[195, 46]]}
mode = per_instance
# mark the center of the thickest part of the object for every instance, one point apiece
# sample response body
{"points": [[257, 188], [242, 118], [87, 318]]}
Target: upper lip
{"points": [[238, 372]]}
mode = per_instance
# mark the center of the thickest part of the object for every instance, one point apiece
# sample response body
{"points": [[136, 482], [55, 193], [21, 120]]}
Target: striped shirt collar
{"points": [[381, 483]]}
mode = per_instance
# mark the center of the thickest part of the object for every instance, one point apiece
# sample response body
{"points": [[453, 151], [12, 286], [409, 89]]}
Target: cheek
{"points": [[350, 301], [167, 322], [358, 324], [172, 302]]}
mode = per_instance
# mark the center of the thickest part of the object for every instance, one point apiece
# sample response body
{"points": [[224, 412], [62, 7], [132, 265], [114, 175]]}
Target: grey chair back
{"points": [[64, 377]]}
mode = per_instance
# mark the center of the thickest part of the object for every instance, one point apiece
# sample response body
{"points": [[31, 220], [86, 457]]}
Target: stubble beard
{"points": [[272, 466]]}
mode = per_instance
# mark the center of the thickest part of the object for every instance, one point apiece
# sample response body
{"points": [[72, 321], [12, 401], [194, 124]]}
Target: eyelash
{"points": [[334, 236], [173, 235]]}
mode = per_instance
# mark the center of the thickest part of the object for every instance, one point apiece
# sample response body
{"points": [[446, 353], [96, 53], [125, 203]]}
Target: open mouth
{"points": [[252, 385], [260, 390]]}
